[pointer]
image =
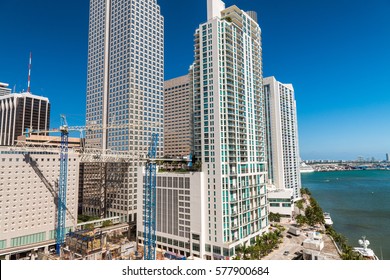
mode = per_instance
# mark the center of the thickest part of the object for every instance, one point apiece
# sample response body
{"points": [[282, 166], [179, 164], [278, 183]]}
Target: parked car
{"points": [[286, 253]]}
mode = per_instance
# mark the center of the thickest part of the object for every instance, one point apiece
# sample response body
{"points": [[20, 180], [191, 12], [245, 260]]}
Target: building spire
{"points": [[29, 74]]}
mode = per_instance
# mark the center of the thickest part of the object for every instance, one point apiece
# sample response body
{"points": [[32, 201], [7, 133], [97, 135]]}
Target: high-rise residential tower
{"points": [[282, 142], [4, 90], [229, 128], [124, 87], [21, 111], [178, 117]]}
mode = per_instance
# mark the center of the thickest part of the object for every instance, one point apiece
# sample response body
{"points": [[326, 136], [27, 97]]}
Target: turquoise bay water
{"points": [[359, 204]]}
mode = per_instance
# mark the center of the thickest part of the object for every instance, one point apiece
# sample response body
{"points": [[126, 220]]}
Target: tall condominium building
{"points": [[4, 90], [178, 117], [282, 142], [124, 87], [22, 111], [229, 128], [387, 157], [28, 191]]}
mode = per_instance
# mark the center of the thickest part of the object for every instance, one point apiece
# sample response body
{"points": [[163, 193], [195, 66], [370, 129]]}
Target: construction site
{"points": [[107, 243], [103, 176]]}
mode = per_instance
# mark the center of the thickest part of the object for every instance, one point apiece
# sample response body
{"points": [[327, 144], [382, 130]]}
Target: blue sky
{"points": [[336, 53]]}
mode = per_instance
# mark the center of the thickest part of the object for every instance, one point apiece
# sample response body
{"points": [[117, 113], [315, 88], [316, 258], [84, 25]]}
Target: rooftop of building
{"points": [[178, 80], [49, 140], [24, 94]]}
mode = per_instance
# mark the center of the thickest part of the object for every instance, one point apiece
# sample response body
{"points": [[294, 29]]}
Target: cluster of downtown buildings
{"points": [[239, 127]]}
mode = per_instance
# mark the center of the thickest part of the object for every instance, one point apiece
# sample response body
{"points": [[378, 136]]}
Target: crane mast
{"points": [[62, 186], [93, 155], [63, 178], [150, 202]]}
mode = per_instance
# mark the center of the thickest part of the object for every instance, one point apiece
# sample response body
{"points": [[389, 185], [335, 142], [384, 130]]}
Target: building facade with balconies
{"points": [[229, 128]]}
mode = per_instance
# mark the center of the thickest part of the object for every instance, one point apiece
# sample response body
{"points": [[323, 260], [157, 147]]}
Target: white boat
{"points": [[304, 168], [328, 219], [367, 253]]}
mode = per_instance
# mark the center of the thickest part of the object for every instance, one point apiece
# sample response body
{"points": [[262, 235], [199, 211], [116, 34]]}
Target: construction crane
{"points": [[98, 155], [150, 201], [63, 179]]}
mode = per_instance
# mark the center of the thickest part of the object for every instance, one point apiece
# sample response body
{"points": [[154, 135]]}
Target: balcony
{"points": [[234, 213], [234, 201], [235, 226]]}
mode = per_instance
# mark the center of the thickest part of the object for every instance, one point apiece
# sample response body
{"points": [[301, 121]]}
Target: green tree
{"points": [[243, 252], [198, 165], [274, 217], [301, 220], [305, 191], [309, 214], [107, 223], [299, 205], [350, 254], [89, 227]]}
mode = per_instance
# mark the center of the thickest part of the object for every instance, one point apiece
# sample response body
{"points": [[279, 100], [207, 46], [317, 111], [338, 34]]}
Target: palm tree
{"points": [[274, 217], [301, 220], [299, 205], [243, 251], [278, 233], [254, 252], [350, 254]]}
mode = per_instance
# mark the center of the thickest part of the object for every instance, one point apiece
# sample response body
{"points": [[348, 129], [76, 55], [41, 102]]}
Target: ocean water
{"points": [[358, 202]]}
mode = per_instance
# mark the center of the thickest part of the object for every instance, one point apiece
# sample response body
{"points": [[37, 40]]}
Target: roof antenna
{"points": [[29, 75]]}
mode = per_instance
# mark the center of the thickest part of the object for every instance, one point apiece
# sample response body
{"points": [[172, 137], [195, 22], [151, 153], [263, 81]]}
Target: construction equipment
{"points": [[88, 154], [150, 202], [63, 180]]}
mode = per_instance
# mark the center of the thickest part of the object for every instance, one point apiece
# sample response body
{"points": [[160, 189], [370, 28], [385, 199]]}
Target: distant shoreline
{"points": [[357, 169]]}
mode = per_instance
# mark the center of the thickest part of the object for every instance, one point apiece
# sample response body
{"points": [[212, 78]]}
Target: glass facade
{"points": [[28, 239]]}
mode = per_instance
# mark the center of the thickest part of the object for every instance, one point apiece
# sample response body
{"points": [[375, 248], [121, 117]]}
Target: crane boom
{"points": [[93, 155]]}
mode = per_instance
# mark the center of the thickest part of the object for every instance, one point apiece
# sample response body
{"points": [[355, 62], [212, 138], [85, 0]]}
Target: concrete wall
{"points": [[28, 187]]}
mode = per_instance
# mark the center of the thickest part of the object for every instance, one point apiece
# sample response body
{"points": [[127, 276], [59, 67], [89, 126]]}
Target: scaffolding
{"points": [[85, 243], [101, 184]]}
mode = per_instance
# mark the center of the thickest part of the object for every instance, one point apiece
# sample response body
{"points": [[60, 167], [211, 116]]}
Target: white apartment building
{"points": [[124, 87], [180, 211], [4, 90], [282, 142], [178, 117], [229, 128], [21, 111], [28, 190]]}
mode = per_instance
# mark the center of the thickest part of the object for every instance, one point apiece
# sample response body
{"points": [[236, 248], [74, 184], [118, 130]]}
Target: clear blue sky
{"points": [[336, 53]]}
